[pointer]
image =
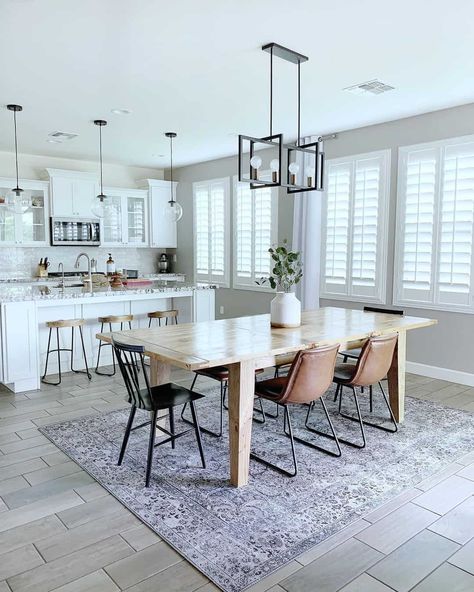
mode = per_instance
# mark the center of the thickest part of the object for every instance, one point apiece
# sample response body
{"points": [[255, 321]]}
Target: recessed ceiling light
{"points": [[121, 111], [62, 136], [54, 141], [371, 87]]}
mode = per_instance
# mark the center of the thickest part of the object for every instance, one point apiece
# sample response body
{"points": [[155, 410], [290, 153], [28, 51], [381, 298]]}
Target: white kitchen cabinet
{"points": [[125, 224], [72, 193], [28, 227], [163, 232]]}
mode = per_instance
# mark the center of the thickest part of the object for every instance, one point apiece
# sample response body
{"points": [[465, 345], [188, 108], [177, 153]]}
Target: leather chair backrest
{"points": [[310, 375], [375, 360]]}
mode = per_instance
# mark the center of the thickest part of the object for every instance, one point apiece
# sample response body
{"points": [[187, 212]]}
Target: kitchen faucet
{"points": [[61, 269], [89, 273]]}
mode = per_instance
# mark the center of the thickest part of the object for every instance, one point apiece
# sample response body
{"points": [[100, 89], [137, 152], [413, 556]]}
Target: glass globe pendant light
{"points": [[17, 200], [172, 210], [101, 206]]}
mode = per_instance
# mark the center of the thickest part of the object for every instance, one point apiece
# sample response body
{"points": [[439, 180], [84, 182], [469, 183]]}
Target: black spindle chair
{"points": [[153, 399]]}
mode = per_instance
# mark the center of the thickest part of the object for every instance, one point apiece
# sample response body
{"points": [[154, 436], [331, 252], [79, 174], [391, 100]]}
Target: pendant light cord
{"points": [[171, 166], [299, 103], [100, 158], [16, 148], [271, 91]]}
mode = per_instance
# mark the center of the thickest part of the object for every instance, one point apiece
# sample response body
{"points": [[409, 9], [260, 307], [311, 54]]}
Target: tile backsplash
{"points": [[19, 263]]}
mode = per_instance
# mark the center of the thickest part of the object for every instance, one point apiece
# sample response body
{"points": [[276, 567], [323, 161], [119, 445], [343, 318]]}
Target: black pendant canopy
{"points": [[303, 162], [16, 109]]}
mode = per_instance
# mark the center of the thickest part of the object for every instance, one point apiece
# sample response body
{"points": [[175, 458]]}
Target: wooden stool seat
{"points": [[66, 323], [163, 314], [126, 318]]}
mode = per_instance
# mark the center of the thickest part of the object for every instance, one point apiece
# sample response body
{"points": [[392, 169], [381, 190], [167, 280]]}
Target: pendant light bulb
{"points": [[172, 211], [17, 200]]}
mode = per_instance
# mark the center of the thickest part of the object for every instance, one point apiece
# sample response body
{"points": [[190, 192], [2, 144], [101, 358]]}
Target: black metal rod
{"points": [[100, 158], [171, 168]]}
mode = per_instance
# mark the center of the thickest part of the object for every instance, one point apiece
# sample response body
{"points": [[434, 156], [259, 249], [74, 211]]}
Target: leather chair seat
{"points": [[167, 395], [344, 372], [219, 373], [352, 354], [272, 388]]}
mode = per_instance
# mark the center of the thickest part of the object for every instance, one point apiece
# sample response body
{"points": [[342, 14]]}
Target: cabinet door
{"points": [[163, 231], [112, 224], [84, 192], [32, 223], [136, 221], [7, 226], [62, 196]]}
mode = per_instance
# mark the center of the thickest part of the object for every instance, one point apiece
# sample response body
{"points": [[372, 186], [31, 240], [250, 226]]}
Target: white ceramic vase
{"points": [[285, 310]]}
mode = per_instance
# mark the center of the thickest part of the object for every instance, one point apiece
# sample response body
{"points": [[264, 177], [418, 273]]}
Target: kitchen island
{"points": [[24, 311]]}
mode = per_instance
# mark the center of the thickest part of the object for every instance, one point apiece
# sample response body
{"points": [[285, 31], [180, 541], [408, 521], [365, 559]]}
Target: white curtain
{"points": [[307, 239]]}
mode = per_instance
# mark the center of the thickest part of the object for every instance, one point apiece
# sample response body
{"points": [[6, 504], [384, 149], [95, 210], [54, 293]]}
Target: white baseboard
{"points": [[441, 373]]}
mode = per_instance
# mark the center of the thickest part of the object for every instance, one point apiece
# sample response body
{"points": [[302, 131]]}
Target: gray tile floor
{"points": [[59, 530]]}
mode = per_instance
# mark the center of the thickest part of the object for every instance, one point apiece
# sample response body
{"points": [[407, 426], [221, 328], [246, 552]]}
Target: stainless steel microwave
{"points": [[75, 231]]}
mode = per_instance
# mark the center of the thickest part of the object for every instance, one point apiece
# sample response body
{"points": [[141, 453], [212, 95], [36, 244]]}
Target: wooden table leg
{"points": [[241, 395], [396, 378], [160, 373]]}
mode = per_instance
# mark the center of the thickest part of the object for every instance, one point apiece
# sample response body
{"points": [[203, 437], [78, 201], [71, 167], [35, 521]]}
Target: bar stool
{"points": [[72, 323], [109, 320], [163, 314]]}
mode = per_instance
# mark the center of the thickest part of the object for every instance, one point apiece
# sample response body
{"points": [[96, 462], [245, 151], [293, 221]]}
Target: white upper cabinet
{"points": [[163, 232], [27, 226], [126, 223], [72, 193]]}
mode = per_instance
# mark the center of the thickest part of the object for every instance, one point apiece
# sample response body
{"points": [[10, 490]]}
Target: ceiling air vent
{"points": [[372, 87], [62, 136]]}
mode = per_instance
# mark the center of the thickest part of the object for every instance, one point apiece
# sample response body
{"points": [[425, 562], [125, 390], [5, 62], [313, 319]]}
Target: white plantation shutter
{"points": [[354, 227], [211, 231], [255, 231], [435, 224]]}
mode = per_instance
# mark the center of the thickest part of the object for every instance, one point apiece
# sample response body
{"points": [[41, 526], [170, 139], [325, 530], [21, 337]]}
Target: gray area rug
{"points": [[238, 536]]}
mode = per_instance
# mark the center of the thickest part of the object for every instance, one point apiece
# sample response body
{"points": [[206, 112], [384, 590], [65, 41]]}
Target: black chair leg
{"points": [[263, 461], [172, 430], [358, 419], [221, 421], [331, 436], [126, 436], [336, 394], [151, 445], [392, 417], [198, 433]]}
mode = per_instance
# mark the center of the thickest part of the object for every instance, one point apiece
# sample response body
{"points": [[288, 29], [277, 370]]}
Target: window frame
{"points": [[237, 283], [398, 299], [380, 296], [223, 282]]}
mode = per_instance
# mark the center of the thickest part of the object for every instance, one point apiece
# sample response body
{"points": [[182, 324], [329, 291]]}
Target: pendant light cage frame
{"points": [[171, 136], [101, 123], [16, 109], [311, 152]]}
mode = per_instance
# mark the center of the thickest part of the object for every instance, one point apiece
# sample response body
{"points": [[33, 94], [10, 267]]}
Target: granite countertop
{"points": [[18, 291]]}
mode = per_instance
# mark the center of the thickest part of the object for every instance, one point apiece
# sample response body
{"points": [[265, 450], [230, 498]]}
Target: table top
{"points": [[227, 341]]}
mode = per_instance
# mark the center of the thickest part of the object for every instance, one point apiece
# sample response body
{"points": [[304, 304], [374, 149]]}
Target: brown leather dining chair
{"points": [[372, 366], [309, 377]]}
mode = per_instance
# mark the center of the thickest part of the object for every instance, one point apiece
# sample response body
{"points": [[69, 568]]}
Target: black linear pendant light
{"points": [[173, 210], [303, 162], [17, 200], [100, 205]]}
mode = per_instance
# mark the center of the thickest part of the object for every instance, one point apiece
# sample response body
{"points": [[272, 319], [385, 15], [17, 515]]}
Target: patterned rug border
{"points": [[194, 556]]}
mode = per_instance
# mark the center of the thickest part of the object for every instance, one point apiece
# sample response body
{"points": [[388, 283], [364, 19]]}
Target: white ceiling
{"points": [[195, 67]]}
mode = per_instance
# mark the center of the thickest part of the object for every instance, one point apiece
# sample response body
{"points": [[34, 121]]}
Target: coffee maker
{"points": [[163, 263]]}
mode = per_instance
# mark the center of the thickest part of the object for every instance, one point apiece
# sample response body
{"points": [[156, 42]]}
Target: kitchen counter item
{"points": [[163, 263], [130, 282]]}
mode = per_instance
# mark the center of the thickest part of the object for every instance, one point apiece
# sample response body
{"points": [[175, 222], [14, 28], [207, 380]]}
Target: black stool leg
{"points": [[126, 436], [198, 433], [59, 354], [84, 353], [151, 445], [43, 378]]}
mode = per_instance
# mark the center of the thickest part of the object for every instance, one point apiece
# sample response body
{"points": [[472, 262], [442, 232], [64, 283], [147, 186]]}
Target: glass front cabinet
{"points": [[125, 219], [26, 225]]}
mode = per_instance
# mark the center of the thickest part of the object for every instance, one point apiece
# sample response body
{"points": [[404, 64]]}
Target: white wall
{"points": [[115, 175]]}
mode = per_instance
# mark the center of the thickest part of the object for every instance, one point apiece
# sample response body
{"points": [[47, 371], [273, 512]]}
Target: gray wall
{"points": [[235, 302], [447, 345]]}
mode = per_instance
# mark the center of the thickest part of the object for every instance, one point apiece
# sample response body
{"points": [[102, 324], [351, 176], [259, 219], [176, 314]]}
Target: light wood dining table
{"points": [[246, 343]]}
